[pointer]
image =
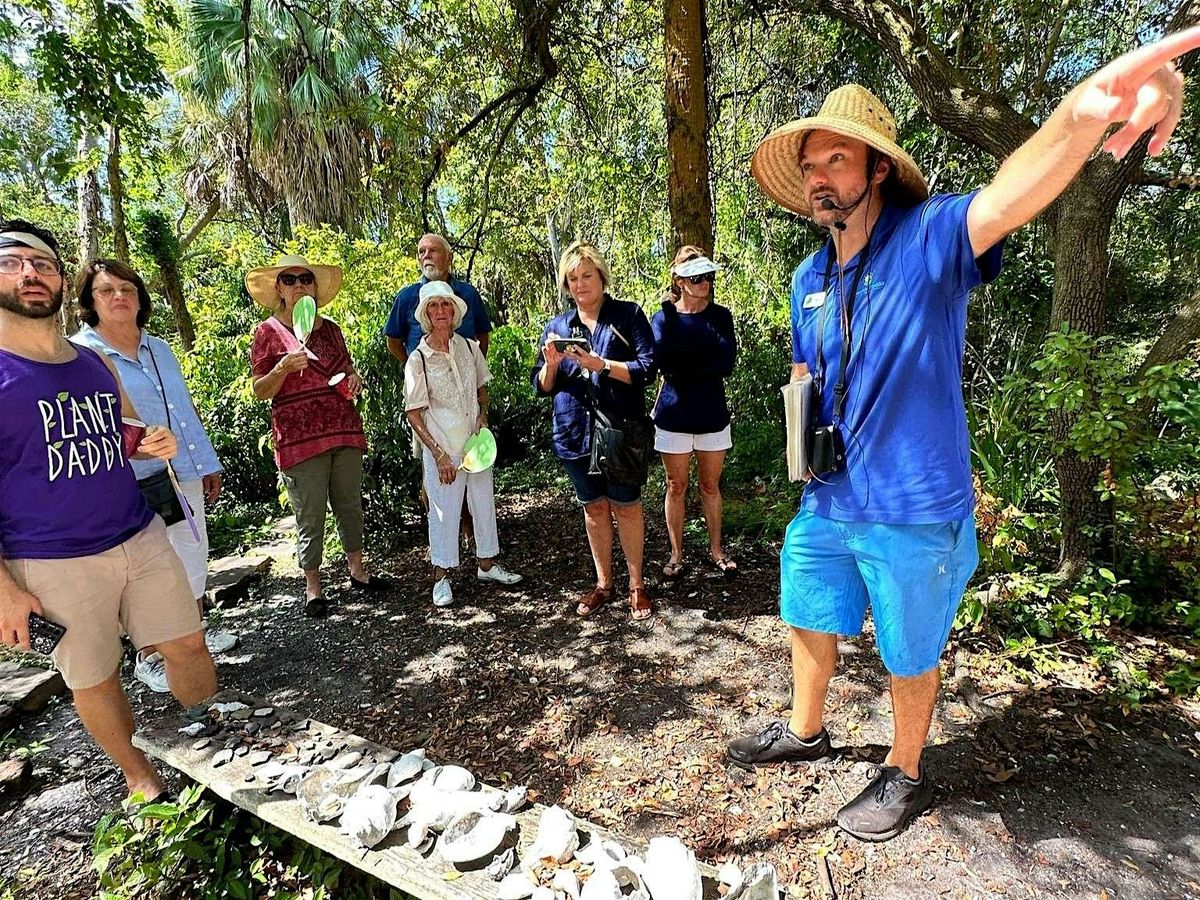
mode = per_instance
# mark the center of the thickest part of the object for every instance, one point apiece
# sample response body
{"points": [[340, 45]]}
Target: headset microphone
{"points": [[828, 205]]}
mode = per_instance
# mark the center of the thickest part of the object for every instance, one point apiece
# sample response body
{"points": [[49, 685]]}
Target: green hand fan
{"points": [[304, 316], [479, 453]]}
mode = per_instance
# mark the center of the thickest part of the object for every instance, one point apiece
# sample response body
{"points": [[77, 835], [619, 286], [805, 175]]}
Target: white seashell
{"points": [[418, 833], [311, 788], [730, 874], [514, 799], [557, 836], [449, 778], [369, 815], [474, 835], [436, 809], [502, 864], [627, 876], [194, 729], [602, 885], [329, 808], [288, 780], [405, 768], [760, 883], [601, 854], [670, 872], [542, 893], [345, 761], [516, 886], [568, 882], [226, 708]]}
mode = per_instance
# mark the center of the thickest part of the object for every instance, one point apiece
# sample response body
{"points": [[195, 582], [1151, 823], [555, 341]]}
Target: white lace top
{"points": [[446, 386]]}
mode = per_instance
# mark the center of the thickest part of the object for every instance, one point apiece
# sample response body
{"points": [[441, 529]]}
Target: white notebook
{"points": [[797, 401]]}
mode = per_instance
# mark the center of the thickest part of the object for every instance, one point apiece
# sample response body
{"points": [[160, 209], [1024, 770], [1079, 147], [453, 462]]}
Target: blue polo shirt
{"points": [[402, 324], [908, 459], [622, 334]]}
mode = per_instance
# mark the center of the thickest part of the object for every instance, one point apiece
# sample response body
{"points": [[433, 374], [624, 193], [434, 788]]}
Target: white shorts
{"points": [[191, 552], [680, 442]]}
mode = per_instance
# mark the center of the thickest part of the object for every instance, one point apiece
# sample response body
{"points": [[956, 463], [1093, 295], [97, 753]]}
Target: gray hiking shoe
{"points": [[886, 805], [777, 743]]}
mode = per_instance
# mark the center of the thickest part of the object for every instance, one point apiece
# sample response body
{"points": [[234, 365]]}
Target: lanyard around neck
{"points": [[846, 312]]}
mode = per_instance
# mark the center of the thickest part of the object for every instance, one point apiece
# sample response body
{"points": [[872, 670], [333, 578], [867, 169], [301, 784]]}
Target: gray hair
{"points": [[442, 242]]}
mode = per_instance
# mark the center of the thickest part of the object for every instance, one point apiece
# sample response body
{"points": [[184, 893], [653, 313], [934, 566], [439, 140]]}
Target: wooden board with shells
{"points": [[430, 830]]}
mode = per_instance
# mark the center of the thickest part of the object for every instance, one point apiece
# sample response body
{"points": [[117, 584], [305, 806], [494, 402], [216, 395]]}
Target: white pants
{"points": [[193, 553], [445, 512]]}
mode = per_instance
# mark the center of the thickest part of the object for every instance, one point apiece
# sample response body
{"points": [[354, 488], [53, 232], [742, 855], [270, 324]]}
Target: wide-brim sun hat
{"points": [[260, 282], [697, 265], [852, 111], [432, 290]]}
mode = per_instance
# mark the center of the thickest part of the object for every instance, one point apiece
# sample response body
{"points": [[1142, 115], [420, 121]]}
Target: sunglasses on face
{"points": [[700, 279], [12, 265], [288, 279]]}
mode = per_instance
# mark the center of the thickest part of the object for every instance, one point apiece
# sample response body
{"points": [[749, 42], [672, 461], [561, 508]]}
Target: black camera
{"points": [[827, 450]]}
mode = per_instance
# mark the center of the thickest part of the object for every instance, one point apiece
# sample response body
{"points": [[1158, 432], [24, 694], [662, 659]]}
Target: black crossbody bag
{"points": [[622, 448], [157, 489]]}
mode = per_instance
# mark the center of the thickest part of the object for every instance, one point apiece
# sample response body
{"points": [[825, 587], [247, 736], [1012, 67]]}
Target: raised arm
{"points": [[1141, 89]]}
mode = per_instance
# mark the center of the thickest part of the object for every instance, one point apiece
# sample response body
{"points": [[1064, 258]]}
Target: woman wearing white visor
{"points": [[695, 346]]}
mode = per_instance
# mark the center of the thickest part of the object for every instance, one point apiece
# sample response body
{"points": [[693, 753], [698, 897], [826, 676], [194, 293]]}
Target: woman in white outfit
{"points": [[446, 398]]}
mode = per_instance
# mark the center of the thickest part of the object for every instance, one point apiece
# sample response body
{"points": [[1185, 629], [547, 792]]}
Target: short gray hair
{"points": [[445, 244]]}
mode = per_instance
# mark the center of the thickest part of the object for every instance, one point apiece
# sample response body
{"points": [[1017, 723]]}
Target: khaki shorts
{"points": [[137, 588]]}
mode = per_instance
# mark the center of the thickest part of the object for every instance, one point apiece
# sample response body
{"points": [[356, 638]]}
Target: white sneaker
{"points": [[442, 594], [218, 641], [499, 574], [152, 672]]}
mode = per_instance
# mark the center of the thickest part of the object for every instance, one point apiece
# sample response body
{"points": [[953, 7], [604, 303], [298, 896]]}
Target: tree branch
{"points": [[210, 213]]}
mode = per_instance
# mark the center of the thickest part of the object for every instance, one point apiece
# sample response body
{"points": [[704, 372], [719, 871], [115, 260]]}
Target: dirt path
{"points": [[1044, 790]]}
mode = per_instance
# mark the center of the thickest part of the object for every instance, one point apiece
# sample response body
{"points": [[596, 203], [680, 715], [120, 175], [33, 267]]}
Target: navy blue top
{"points": [[695, 353], [908, 456], [622, 335], [402, 324]]}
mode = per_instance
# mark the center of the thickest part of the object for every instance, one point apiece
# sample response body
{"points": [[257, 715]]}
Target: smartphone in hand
{"points": [[44, 635], [563, 344]]}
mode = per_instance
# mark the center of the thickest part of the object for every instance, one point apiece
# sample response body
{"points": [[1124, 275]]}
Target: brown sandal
{"points": [[594, 598], [639, 604]]}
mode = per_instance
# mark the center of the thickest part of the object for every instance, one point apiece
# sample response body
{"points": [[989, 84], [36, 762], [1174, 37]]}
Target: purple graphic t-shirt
{"points": [[66, 488]]}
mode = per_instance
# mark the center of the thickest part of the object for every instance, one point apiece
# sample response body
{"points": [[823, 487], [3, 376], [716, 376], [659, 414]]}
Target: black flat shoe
{"points": [[316, 608], [373, 583]]}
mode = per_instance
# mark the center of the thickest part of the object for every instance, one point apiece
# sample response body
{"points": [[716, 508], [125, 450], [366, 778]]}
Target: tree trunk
{"points": [[1082, 221], [173, 288], [116, 196], [686, 91], [88, 205]]}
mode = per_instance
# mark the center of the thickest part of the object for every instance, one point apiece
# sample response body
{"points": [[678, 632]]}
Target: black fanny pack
{"points": [[621, 448], [160, 496]]}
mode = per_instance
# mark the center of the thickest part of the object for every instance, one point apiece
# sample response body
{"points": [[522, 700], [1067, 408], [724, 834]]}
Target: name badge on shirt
{"points": [[814, 300]]}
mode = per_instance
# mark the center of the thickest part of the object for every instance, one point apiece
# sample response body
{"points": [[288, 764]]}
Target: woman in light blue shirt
{"points": [[115, 306]]}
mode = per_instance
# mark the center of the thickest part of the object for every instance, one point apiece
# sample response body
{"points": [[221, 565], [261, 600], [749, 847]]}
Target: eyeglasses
{"points": [[108, 293], [700, 279], [12, 265], [287, 279]]}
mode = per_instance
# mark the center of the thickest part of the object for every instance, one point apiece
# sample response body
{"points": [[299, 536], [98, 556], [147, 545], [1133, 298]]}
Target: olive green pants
{"points": [[332, 479]]}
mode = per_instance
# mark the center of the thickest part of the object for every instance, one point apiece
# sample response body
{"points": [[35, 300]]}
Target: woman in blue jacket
{"points": [[695, 347], [599, 353]]}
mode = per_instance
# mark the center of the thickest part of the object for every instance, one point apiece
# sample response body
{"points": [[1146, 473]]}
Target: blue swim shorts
{"points": [[913, 576], [590, 488]]}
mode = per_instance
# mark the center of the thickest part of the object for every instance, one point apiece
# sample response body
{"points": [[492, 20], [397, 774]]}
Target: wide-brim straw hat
{"points": [[260, 282], [432, 290], [852, 111]]}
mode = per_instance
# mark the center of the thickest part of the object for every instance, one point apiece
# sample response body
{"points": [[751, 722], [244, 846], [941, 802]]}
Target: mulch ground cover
{"points": [[1046, 788]]}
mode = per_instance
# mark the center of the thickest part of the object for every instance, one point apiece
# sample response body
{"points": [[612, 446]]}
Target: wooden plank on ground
{"points": [[230, 577], [28, 688], [393, 861]]}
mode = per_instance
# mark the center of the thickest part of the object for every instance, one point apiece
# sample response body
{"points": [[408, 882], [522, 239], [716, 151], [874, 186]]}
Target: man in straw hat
{"points": [[78, 545], [887, 518], [316, 430]]}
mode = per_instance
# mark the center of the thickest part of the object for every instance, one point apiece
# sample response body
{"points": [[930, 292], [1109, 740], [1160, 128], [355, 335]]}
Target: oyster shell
{"points": [[566, 881], [670, 872], [557, 836], [601, 854], [449, 778], [601, 885], [407, 767], [516, 886], [370, 815], [502, 864], [474, 835]]}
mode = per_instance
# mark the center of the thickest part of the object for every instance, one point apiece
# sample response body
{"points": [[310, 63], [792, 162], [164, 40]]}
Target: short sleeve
{"points": [[483, 372], [483, 323], [946, 245], [397, 323], [797, 302], [416, 386], [265, 351]]}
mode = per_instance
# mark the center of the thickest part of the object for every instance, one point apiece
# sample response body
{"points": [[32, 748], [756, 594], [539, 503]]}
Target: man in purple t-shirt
{"points": [[78, 544]]}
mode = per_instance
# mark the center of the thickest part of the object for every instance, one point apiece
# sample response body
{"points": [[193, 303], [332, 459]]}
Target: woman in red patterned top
{"points": [[317, 432]]}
